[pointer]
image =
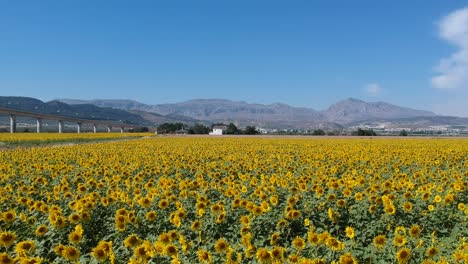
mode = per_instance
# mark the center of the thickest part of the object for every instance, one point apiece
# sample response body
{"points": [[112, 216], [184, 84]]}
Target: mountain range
{"points": [[342, 114]]}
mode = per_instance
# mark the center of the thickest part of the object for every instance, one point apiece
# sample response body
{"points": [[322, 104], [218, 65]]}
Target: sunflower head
{"points": [[221, 245], [403, 255]]}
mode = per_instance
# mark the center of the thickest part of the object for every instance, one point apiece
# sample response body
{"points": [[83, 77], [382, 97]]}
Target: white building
{"points": [[218, 130]]}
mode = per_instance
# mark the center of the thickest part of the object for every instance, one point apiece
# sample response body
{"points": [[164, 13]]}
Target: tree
{"points": [[232, 129], [169, 127], [251, 130], [403, 133], [318, 132], [364, 132], [199, 129]]}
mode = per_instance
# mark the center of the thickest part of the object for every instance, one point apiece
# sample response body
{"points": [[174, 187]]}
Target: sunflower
{"points": [[408, 206], [173, 235], [120, 226], [221, 245], [341, 203], [403, 255], [41, 230], [163, 204], [145, 202], [324, 236], [71, 253], [203, 256], [274, 200], [334, 244], [195, 225], [380, 241], [233, 257], [6, 259], [347, 259], [151, 216], [313, 238], [332, 215], [281, 224], [99, 254], [331, 197], [164, 238], [350, 232], [415, 231], [9, 216], [399, 241], [431, 252], [245, 220], [277, 253], [75, 237], [358, 196], [132, 241], [59, 249], [298, 243], [171, 250], [293, 258], [24, 248], [7, 238], [400, 230], [274, 237], [221, 218], [74, 218], [263, 256], [142, 252], [390, 209]]}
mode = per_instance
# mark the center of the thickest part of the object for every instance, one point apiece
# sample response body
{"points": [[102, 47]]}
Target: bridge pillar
{"points": [[94, 128], [60, 126], [12, 124], [109, 128], [78, 127], [121, 130], [38, 125]]}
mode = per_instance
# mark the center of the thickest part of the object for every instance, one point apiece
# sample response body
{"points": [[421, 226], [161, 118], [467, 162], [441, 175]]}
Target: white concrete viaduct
{"points": [[12, 113]]}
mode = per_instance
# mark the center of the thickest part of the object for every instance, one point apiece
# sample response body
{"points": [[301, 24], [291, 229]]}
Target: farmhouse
{"points": [[218, 130]]}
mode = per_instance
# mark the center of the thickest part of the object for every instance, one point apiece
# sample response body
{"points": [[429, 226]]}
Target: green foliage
{"points": [[318, 132], [251, 130], [170, 128], [199, 129], [363, 132], [232, 129]]}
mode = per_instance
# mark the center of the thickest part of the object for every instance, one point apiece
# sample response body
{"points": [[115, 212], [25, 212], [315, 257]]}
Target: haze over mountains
{"points": [[342, 114], [278, 115]]}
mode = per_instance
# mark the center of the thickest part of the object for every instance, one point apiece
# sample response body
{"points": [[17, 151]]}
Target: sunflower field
{"points": [[236, 200], [20, 139]]}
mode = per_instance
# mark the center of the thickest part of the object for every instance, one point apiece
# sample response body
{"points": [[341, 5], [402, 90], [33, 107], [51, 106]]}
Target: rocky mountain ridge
{"points": [[276, 115]]}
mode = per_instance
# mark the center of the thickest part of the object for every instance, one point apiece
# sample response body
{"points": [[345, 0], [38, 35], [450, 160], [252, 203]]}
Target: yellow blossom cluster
{"points": [[45, 138], [236, 200]]}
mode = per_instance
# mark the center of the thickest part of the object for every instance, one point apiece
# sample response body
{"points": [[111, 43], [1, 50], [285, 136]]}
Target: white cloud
{"points": [[453, 71], [373, 89]]}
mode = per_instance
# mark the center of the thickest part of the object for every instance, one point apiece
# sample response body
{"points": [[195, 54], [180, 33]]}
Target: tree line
{"points": [[200, 129]]}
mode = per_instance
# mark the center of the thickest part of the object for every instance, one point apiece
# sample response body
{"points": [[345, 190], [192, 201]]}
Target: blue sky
{"points": [[303, 53]]}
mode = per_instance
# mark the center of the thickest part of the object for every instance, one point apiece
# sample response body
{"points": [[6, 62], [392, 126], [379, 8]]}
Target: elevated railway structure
{"points": [[12, 113]]}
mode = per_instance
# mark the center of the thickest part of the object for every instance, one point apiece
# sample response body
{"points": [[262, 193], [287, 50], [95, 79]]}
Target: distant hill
{"points": [[277, 115], [84, 111], [352, 110]]}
